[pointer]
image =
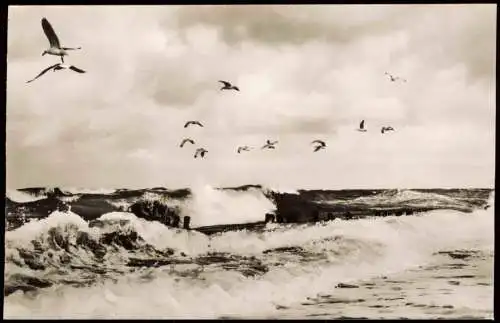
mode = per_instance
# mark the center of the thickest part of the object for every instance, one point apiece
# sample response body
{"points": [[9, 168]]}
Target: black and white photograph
{"points": [[250, 161]]}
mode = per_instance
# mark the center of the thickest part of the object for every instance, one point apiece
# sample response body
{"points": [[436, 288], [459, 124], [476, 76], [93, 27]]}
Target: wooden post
{"points": [[176, 220], [187, 220], [269, 218]]}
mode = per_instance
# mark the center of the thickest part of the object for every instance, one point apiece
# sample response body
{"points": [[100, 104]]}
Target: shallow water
{"points": [[447, 288]]}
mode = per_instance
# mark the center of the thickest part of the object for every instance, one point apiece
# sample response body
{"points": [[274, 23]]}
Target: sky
{"points": [[304, 73]]}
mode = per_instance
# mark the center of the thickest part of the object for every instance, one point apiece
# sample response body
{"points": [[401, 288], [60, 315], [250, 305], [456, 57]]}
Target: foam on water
{"points": [[80, 190], [282, 189], [349, 250], [21, 197]]}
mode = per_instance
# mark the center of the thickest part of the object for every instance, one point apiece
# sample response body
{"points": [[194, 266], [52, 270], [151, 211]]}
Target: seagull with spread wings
{"points": [[395, 78], [192, 123], [385, 129], [228, 86], [200, 152], [362, 126], [269, 144], [55, 46], [243, 148], [320, 144], [57, 67], [186, 140]]}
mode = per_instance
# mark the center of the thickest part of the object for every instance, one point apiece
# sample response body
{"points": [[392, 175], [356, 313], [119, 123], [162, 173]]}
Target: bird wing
{"points": [[43, 72], [50, 33], [76, 69], [186, 140], [198, 123], [318, 148], [187, 124], [382, 130], [236, 88], [321, 142], [225, 83]]}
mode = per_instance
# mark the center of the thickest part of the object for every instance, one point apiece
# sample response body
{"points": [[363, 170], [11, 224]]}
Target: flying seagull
{"points": [[244, 148], [228, 86], [320, 144], [193, 123], [200, 152], [186, 140], [394, 78], [362, 126], [269, 144], [55, 46], [384, 129], [57, 67]]}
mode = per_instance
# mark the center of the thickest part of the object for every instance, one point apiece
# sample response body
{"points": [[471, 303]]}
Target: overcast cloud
{"points": [[305, 73]]}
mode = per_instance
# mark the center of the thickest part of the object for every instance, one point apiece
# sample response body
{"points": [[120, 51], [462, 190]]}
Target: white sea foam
{"points": [[363, 248], [81, 190], [209, 206], [21, 197]]}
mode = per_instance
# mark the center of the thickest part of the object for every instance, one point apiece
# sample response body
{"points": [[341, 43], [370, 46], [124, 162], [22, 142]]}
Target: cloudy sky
{"points": [[305, 73]]}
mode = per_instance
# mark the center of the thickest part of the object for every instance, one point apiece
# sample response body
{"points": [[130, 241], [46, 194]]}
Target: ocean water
{"points": [[437, 264]]}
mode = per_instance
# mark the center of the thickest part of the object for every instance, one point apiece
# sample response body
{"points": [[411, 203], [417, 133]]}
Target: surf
{"points": [[291, 262]]}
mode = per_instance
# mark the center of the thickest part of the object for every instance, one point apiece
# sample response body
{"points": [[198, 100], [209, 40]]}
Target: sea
{"points": [[433, 264]]}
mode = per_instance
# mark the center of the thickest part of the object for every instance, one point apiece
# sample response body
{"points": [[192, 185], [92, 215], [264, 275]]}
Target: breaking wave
{"points": [[210, 206], [22, 197], [125, 267]]}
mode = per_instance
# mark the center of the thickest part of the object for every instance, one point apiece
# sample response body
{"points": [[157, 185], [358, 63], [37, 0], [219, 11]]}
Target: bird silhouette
{"points": [[228, 86], [192, 123], [269, 145], [385, 129], [320, 144], [395, 78], [55, 46], [243, 148], [362, 126], [185, 140], [200, 152], [57, 67]]}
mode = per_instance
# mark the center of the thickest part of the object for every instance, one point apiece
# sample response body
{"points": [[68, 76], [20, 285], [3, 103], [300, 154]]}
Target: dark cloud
{"points": [[292, 24]]}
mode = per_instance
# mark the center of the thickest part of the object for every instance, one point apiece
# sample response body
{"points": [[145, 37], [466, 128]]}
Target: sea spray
{"points": [[22, 197], [210, 206]]}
